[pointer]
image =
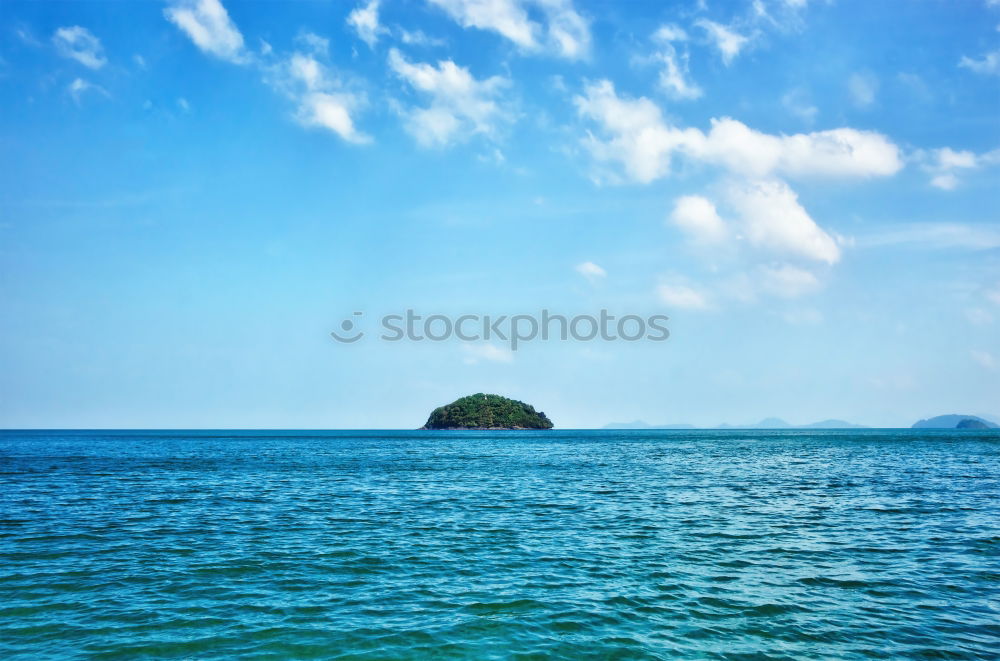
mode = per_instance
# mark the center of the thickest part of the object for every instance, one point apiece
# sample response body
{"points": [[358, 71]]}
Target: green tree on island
{"points": [[481, 411]]}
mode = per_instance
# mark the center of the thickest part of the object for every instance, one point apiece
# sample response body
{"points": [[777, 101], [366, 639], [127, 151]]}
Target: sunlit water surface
{"points": [[499, 545]]}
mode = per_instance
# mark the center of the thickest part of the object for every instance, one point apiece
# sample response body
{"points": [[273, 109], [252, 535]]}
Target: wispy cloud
{"points": [[674, 74], [563, 31], [208, 25], [460, 105], [321, 99], [364, 19], [988, 64], [728, 42], [934, 236], [591, 271], [80, 44], [79, 87], [681, 296], [944, 165]]}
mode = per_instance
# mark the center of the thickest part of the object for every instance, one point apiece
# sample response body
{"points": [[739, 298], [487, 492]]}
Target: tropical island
{"points": [[482, 411]]}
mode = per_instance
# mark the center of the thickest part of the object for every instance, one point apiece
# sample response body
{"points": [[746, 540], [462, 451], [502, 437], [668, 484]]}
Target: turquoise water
{"points": [[500, 545]]}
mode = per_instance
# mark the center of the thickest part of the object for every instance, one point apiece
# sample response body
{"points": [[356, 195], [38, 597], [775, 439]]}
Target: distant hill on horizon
{"points": [[766, 423], [951, 421]]}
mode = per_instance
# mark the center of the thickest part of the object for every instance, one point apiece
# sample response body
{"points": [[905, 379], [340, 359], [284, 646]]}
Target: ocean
{"points": [[500, 545]]}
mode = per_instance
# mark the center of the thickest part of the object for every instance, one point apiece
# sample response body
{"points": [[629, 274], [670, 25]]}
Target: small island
{"points": [[481, 411], [972, 423]]}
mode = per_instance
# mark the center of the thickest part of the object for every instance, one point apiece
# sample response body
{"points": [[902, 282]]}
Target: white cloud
{"points": [[773, 219], [674, 74], [418, 38], [863, 88], [786, 281], [314, 44], [843, 152], [681, 296], [989, 64], [364, 20], [728, 41], [79, 87], [208, 25], [697, 217], [591, 271], [984, 358], [670, 32], [81, 45], [476, 353], [948, 158], [460, 105], [566, 32], [944, 164], [640, 140], [321, 101], [946, 181], [332, 112]]}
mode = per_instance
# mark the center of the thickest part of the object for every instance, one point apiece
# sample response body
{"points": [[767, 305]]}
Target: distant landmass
{"points": [[481, 411], [955, 421], [766, 423]]}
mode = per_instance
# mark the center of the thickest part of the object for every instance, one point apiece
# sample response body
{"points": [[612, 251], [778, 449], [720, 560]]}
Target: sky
{"points": [[194, 194]]}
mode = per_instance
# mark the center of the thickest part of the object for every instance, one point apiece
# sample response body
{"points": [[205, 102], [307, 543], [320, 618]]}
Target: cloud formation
{"points": [[79, 87], [772, 219], [944, 165], [591, 271], [988, 64], [208, 25], [674, 75], [564, 32], [697, 217], [80, 44], [459, 105], [728, 42], [321, 100], [364, 20], [681, 296], [636, 136]]}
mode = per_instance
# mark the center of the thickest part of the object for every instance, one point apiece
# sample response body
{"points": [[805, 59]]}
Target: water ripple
{"points": [[574, 545]]}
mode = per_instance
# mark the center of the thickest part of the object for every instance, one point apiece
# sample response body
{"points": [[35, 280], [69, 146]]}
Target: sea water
{"points": [[500, 545]]}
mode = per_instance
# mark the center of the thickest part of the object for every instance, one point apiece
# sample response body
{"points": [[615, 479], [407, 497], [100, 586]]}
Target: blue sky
{"points": [[195, 194]]}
